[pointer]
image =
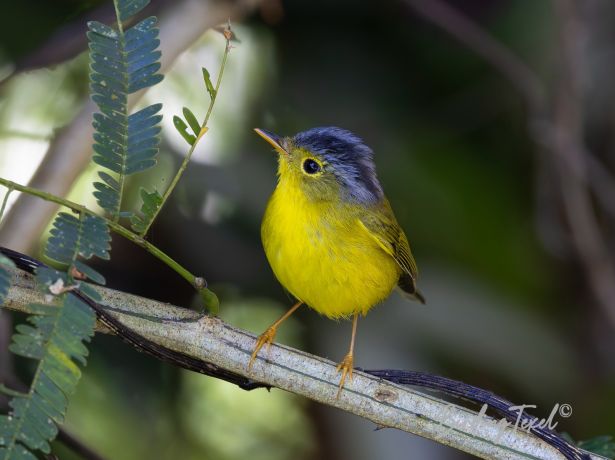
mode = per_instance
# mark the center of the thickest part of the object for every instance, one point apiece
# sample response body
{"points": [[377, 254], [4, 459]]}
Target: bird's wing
{"points": [[384, 229]]}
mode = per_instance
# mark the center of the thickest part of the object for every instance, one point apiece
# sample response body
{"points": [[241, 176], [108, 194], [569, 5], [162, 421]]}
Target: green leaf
{"points": [[151, 203], [5, 276], [182, 127], [89, 272], [57, 341], [90, 291], [72, 237], [129, 8], [120, 64], [19, 452], [192, 121], [8, 392], [143, 139], [601, 445], [208, 84]]}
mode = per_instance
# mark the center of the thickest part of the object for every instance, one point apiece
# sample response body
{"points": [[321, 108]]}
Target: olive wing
{"points": [[384, 229]]}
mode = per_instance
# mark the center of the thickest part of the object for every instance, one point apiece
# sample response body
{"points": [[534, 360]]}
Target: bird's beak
{"points": [[273, 139]]}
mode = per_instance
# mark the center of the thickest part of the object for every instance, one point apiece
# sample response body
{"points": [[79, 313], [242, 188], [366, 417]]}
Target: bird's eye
{"points": [[311, 166]]}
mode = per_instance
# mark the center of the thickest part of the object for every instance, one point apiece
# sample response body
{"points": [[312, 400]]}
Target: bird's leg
{"points": [[347, 363], [268, 336]]}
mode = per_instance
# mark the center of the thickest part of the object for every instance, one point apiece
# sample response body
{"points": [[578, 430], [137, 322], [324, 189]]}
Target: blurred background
{"points": [[493, 127]]}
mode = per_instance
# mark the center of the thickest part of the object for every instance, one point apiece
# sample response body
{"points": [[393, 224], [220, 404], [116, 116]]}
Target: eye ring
{"points": [[310, 166]]}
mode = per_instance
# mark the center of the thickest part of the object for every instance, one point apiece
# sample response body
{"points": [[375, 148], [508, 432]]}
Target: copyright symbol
{"points": [[565, 410]]}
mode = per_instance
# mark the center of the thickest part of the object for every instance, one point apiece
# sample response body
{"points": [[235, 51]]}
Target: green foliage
{"points": [[123, 62], [86, 236], [196, 127], [208, 84], [5, 276], [54, 338], [182, 128], [601, 445], [151, 203], [191, 119], [128, 8]]}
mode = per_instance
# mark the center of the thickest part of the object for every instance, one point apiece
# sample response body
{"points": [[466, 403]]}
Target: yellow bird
{"points": [[329, 232]]}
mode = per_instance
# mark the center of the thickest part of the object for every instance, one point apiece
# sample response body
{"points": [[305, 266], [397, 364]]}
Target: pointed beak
{"points": [[272, 138]]}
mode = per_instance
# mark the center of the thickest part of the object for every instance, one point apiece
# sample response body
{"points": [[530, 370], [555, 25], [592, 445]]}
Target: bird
{"points": [[329, 232]]}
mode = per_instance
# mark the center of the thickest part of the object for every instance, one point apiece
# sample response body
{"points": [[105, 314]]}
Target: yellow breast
{"points": [[322, 255]]}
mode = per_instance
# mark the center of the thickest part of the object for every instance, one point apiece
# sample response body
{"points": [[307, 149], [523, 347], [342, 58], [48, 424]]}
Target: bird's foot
{"points": [[345, 367], [265, 338]]}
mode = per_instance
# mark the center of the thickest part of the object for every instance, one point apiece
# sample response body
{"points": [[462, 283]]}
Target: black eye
{"points": [[311, 166]]}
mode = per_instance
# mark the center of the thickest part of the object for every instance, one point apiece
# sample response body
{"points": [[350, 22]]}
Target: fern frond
{"points": [[71, 237], [123, 62], [143, 139], [55, 338], [129, 8]]}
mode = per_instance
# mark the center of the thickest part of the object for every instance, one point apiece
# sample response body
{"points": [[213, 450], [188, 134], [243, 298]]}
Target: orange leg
{"points": [[347, 363], [268, 336]]}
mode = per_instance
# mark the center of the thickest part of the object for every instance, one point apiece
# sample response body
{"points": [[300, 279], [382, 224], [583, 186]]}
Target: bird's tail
{"points": [[408, 287]]}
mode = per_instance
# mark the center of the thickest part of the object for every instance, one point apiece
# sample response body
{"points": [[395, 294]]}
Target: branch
{"points": [[212, 342]]}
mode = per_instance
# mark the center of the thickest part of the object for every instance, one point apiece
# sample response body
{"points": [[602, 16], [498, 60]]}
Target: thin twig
{"points": [[4, 201], [77, 446], [203, 130], [208, 297]]}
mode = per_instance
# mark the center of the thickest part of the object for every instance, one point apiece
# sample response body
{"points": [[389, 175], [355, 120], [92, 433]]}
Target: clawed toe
{"points": [[266, 338], [345, 367]]}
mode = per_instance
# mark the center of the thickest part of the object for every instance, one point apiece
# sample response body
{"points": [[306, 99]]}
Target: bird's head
{"points": [[327, 164]]}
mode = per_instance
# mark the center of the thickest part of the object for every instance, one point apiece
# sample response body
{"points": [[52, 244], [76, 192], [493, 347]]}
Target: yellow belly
{"points": [[323, 257]]}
